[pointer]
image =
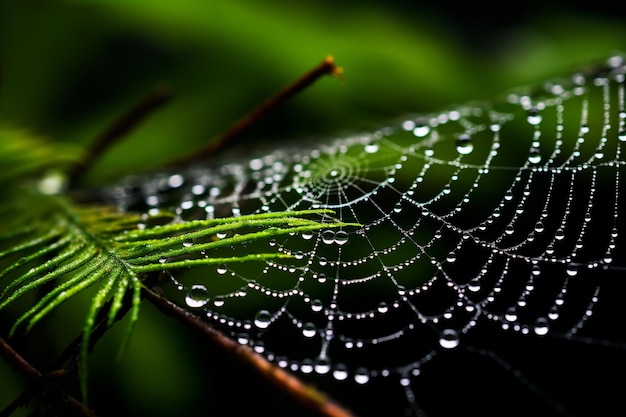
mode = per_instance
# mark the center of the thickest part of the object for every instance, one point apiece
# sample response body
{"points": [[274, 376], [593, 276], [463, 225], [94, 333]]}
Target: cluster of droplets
{"points": [[481, 214]]}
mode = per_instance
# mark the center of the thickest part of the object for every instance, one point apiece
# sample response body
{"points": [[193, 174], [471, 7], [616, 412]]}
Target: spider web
{"points": [[487, 268]]}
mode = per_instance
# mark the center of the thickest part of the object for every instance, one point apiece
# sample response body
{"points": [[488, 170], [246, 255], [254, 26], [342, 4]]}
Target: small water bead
{"points": [[197, 296], [371, 148], [622, 136], [328, 237], [421, 130], [322, 365], [218, 301], [306, 367], [243, 338], [382, 307], [449, 339], [188, 243], [534, 156], [541, 327], [221, 235], [474, 285], [464, 144], [306, 235], [309, 330], [263, 319], [221, 269], [340, 373], [533, 118], [539, 227], [553, 313], [571, 270], [361, 376], [559, 234], [511, 314], [341, 238], [316, 305]]}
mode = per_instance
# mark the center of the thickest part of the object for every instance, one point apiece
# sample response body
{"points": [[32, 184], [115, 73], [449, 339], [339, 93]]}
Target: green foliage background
{"points": [[69, 67]]}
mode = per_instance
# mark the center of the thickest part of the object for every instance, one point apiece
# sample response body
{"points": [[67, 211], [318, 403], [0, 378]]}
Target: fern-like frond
{"points": [[76, 247]]}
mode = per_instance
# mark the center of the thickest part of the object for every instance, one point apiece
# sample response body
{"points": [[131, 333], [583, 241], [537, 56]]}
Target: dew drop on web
{"points": [[464, 144], [263, 319], [197, 296], [449, 339]]}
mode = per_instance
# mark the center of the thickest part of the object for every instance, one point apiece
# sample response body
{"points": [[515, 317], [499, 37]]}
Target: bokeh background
{"points": [[70, 67]]}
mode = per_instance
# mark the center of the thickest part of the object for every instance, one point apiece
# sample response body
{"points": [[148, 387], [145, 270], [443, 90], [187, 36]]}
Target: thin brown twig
{"points": [[26, 368], [12, 356], [303, 393], [160, 95], [326, 67]]}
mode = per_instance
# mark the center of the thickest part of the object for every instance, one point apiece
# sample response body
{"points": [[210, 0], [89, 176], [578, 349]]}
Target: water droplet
{"points": [[243, 338], [474, 285], [553, 313], [361, 376], [316, 305], [572, 270], [307, 235], [52, 183], [188, 243], [218, 301], [341, 238], [559, 234], [622, 136], [162, 260], [306, 367], [510, 314], [328, 237], [451, 257], [221, 235], [340, 373], [383, 307], [322, 365], [421, 130], [197, 296], [539, 227], [263, 319], [371, 148], [309, 330], [222, 269], [534, 156], [534, 118], [464, 144], [449, 339], [541, 326], [322, 261]]}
